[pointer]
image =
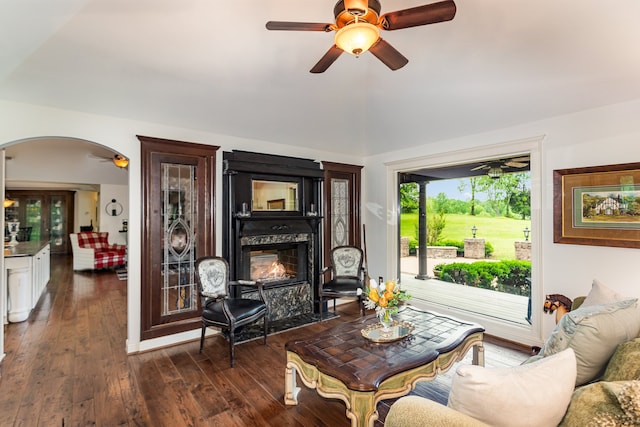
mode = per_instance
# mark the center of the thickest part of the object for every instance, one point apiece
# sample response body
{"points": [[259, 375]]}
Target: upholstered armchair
{"points": [[219, 306], [347, 276], [92, 251]]}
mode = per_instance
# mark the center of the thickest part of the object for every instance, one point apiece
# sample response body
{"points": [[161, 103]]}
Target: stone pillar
{"points": [[523, 250], [404, 246], [474, 248]]}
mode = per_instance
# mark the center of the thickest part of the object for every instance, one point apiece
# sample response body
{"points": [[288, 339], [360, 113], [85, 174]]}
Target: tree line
{"points": [[509, 196]]}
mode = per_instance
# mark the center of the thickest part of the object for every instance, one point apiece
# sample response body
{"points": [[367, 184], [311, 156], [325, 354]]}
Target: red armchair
{"points": [[92, 251]]}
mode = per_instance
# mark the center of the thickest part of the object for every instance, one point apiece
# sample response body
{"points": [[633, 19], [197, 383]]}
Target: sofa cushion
{"points": [[594, 332], [593, 400], [601, 294], [415, 411], [534, 394], [625, 362]]}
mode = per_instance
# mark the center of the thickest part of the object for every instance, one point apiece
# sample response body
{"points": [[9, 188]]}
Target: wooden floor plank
{"points": [[68, 361]]}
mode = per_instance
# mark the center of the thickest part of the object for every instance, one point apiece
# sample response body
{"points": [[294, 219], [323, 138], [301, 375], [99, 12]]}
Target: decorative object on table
{"points": [[376, 332], [384, 298], [557, 303], [14, 228], [595, 205]]}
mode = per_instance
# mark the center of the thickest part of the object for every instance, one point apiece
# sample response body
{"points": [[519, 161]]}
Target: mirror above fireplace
{"points": [[267, 195]]}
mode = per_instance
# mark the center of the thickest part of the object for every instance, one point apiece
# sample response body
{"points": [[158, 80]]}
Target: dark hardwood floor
{"points": [[67, 365]]}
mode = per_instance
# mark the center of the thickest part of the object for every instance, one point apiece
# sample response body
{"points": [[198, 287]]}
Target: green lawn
{"points": [[500, 232]]}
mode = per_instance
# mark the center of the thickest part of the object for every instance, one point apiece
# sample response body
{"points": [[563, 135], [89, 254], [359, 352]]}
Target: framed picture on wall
{"points": [[598, 205]]}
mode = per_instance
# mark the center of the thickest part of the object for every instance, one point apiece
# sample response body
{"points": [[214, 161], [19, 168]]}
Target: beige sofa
{"points": [[604, 337]]}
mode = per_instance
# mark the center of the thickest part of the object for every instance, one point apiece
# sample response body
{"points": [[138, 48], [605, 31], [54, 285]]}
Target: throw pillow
{"points": [[625, 362], [601, 294], [594, 332], [536, 394], [590, 401]]}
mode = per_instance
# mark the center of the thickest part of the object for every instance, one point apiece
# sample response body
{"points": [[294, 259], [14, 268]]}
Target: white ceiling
{"points": [[212, 65]]}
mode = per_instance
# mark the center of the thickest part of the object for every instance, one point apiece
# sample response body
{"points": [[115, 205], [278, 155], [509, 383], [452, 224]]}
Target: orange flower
{"points": [[390, 285], [373, 295], [388, 295], [382, 302]]}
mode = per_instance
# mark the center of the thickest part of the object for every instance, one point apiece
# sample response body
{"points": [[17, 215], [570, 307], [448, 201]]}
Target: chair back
{"points": [[346, 261], [212, 275], [93, 239], [24, 234]]}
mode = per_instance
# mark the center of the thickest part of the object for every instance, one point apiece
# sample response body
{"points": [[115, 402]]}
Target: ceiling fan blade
{"points": [[298, 26], [421, 15], [516, 164], [388, 54], [329, 58], [520, 159], [477, 168]]}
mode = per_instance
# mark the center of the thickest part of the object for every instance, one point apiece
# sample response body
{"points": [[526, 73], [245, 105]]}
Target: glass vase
{"points": [[384, 315]]}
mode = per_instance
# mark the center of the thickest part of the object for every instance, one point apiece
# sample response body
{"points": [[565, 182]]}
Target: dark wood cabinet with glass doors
{"points": [[177, 228]]}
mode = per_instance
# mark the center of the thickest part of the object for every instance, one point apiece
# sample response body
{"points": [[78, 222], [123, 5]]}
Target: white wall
{"points": [[603, 136], [113, 224], [85, 205]]}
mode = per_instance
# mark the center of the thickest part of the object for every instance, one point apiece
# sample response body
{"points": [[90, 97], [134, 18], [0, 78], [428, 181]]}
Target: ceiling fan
{"points": [[118, 159], [358, 24], [495, 168]]}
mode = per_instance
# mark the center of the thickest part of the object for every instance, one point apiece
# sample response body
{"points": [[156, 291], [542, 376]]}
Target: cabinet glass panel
{"points": [[179, 218], [57, 221], [339, 212], [33, 217]]}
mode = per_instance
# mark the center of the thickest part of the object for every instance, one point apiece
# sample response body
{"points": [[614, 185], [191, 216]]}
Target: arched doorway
{"points": [[49, 164]]}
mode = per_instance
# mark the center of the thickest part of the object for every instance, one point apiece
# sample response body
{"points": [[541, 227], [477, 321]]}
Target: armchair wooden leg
{"points": [[266, 328], [232, 340], [204, 328], [321, 309]]}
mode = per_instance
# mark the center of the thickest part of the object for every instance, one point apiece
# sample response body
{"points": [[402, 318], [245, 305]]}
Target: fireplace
{"points": [[271, 224]]}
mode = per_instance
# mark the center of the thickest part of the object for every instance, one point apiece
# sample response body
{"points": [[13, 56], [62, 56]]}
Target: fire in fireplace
{"points": [[266, 267], [279, 263]]}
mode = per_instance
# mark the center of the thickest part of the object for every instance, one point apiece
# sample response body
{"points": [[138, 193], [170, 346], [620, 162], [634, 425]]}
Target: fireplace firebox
{"points": [[276, 264]]}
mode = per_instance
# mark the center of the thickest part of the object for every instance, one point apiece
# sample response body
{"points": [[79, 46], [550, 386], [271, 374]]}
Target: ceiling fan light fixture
{"points": [[495, 172], [120, 161], [357, 38]]}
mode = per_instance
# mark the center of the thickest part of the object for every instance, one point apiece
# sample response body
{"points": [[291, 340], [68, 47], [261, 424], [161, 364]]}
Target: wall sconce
{"points": [[120, 161], [526, 234], [474, 230], [8, 202]]}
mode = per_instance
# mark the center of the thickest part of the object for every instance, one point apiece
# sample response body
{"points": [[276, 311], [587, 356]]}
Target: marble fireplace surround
{"points": [[285, 299]]}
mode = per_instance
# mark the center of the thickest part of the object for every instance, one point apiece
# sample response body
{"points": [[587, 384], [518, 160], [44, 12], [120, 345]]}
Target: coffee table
{"points": [[341, 363]]}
